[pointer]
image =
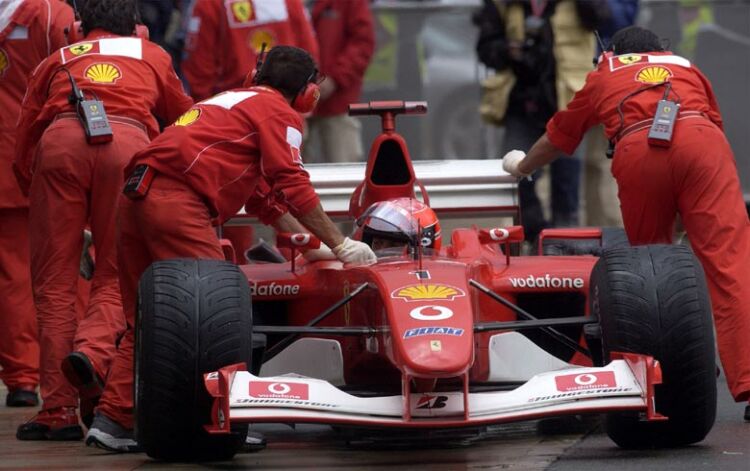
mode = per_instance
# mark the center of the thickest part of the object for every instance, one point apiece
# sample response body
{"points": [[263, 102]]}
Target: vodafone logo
{"points": [[499, 234], [279, 388], [582, 381], [300, 240], [276, 390], [431, 313]]}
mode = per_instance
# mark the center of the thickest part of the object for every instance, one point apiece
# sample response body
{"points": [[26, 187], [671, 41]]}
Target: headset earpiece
{"points": [[307, 99]]}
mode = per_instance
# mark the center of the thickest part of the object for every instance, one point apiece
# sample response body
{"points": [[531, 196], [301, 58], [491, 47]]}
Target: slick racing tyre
{"points": [[194, 317], [612, 237], [653, 300]]}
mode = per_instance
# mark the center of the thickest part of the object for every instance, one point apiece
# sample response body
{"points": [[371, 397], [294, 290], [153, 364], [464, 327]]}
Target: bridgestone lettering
{"points": [[546, 281]]}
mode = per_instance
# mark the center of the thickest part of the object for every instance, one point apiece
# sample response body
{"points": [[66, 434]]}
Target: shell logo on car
{"points": [[653, 74], [429, 292], [4, 62], [103, 73], [189, 117]]}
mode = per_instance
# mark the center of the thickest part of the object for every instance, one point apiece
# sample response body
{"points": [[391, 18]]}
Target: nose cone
{"points": [[432, 328]]}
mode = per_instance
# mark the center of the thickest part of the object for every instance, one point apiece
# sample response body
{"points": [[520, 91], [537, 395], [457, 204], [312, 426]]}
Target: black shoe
{"points": [[60, 423], [22, 397], [80, 372], [747, 412], [255, 441]]}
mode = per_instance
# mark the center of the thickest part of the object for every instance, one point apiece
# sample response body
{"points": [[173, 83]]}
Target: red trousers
{"points": [[170, 222], [697, 178], [19, 349], [74, 184]]}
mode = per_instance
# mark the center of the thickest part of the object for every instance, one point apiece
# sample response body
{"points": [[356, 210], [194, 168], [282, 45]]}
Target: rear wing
{"points": [[461, 187]]}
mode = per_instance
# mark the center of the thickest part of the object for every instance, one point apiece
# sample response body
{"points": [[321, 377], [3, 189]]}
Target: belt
{"points": [[646, 123], [112, 119]]}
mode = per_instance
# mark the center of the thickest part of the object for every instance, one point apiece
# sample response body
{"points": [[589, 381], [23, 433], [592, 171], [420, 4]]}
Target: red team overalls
{"points": [[238, 148], [30, 30], [224, 38], [695, 176], [71, 182]]}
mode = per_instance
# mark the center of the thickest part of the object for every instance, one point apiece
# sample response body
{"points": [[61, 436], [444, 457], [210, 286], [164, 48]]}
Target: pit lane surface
{"points": [[553, 445]]}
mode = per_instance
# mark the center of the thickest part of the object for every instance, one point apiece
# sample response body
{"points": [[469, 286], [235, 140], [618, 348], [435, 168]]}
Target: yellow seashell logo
{"points": [[653, 74], [257, 38], [188, 118], [81, 48], [242, 11], [427, 293], [102, 73], [4, 62]]}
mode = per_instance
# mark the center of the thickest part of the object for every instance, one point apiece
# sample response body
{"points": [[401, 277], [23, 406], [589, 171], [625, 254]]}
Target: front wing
{"points": [[627, 383]]}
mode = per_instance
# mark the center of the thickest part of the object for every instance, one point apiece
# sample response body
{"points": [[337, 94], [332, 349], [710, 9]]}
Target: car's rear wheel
{"points": [[194, 317], [653, 300]]}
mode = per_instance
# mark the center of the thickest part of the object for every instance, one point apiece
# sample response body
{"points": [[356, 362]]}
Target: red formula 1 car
{"points": [[466, 335]]}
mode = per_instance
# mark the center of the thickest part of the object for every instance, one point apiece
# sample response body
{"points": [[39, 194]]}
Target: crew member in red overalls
{"points": [[70, 182], [695, 176], [241, 147], [30, 30], [224, 39]]}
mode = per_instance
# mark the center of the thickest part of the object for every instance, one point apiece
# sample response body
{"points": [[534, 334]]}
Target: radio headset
{"points": [[306, 97]]}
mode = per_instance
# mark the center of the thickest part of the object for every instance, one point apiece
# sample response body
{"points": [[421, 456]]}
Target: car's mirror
{"points": [[300, 240], [498, 235]]}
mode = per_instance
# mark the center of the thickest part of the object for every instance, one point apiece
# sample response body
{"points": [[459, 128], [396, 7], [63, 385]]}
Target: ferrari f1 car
{"points": [[466, 335]]}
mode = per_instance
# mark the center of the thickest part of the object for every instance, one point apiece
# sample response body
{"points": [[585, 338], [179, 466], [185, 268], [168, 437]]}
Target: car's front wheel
{"points": [[653, 300]]}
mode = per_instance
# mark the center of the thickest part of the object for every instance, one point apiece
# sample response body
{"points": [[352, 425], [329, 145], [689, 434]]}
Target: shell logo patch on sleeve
{"points": [[189, 117], [653, 74], [4, 62], [260, 37], [103, 72]]}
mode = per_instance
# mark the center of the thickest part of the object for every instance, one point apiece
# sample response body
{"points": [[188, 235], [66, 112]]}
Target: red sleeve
{"points": [[360, 44], [302, 27], [566, 128], [280, 139], [30, 127], [172, 100], [201, 63], [714, 114], [60, 19]]}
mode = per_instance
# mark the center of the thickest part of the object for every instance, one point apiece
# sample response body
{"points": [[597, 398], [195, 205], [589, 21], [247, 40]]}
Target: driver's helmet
{"points": [[401, 221]]}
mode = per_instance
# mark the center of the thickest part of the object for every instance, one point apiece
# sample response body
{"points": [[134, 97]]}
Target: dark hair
{"points": [[114, 16], [635, 39], [287, 69]]}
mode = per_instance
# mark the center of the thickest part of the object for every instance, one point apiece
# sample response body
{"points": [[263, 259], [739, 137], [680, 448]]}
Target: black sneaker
{"points": [[80, 372], [108, 435], [22, 397]]}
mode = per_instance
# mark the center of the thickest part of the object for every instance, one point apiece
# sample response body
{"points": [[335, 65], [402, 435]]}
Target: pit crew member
{"points": [[238, 147], [30, 30], [224, 39], [71, 182], [693, 174]]}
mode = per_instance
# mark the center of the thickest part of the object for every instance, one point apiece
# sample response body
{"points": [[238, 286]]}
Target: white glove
{"points": [[352, 251], [323, 253], [511, 160]]}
